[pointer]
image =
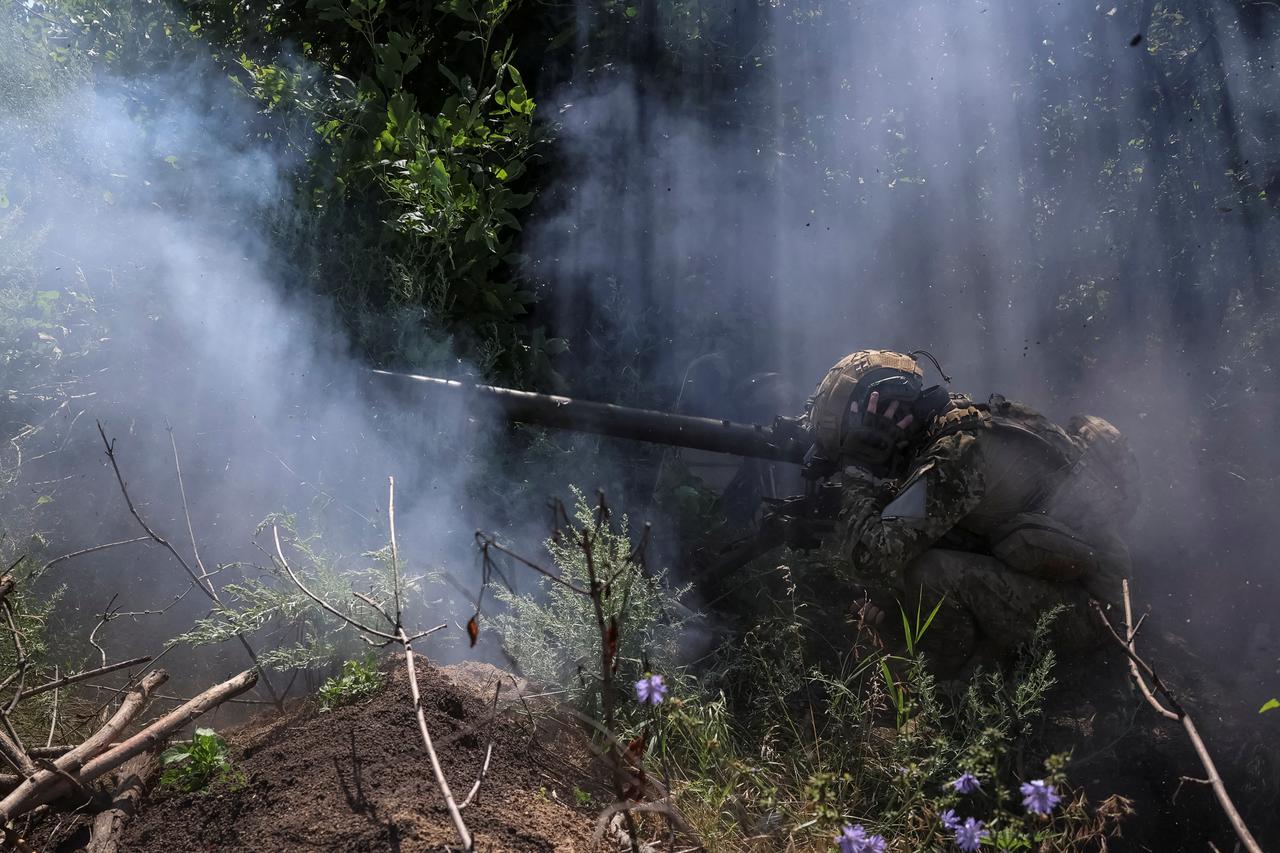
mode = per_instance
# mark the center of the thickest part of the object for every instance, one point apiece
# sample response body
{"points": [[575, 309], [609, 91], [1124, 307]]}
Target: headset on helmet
{"points": [[837, 411]]}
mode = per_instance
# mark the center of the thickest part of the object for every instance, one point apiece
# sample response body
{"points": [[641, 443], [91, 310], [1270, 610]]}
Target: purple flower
{"points": [[969, 835], [1039, 797], [967, 784], [854, 839], [651, 690], [950, 819]]}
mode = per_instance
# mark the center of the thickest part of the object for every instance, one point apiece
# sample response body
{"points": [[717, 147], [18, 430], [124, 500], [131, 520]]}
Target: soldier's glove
{"points": [[874, 433]]}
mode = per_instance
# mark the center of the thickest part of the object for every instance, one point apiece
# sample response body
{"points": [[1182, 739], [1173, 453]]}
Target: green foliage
{"points": [[411, 130], [554, 636], [425, 135], [195, 764], [359, 680], [300, 633], [1269, 705], [785, 753]]}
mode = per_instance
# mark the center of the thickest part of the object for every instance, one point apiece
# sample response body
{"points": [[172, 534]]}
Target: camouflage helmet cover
{"points": [[830, 402]]}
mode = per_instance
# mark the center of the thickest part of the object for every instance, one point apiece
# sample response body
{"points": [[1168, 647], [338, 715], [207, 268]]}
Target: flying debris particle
{"points": [[1136, 40]]}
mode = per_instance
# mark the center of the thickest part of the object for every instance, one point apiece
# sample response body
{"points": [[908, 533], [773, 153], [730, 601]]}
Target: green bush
{"points": [[803, 752], [197, 763], [359, 680], [553, 635]]}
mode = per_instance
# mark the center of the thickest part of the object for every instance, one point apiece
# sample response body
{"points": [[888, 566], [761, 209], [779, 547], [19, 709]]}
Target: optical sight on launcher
{"points": [[799, 521]]}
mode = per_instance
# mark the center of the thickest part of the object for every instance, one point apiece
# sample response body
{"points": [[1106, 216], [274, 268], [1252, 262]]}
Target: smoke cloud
{"points": [[147, 204], [1061, 211]]}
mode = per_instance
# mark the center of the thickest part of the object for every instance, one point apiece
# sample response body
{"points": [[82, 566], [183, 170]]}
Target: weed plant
{"points": [[358, 681], [803, 750], [770, 747], [195, 764]]}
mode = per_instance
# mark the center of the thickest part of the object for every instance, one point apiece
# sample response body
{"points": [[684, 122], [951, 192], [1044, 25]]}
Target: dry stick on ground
{"points": [[135, 775], [200, 580], [405, 640], [45, 784], [1141, 671], [488, 751], [78, 768]]}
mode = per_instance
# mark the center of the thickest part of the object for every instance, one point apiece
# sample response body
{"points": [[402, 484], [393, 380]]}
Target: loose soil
{"points": [[358, 778]]}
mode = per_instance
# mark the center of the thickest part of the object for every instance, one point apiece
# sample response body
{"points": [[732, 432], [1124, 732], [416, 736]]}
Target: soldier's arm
{"points": [[944, 486]]}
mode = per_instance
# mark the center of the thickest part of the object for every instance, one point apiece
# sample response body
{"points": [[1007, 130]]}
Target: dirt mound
{"points": [[358, 778]]}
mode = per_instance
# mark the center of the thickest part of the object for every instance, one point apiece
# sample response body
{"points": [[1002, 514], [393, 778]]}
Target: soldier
{"points": [[987, 507]]}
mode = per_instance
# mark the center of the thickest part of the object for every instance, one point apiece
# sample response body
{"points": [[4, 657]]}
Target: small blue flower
{"points": [[851, 839], [854, 839], [950, 819], [1039, 797], [651, 690], [967, 784], [970, 834]]}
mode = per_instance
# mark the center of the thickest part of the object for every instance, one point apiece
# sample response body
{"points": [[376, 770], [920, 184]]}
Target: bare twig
{"points": [[200, 580], [53, 714], [1139, 668], [82, 676], [395, 556], [142, 522], [405, 641], [488, 750], [186, 511], [284, 564], [163, 697], [83, 551], [455, 814]]}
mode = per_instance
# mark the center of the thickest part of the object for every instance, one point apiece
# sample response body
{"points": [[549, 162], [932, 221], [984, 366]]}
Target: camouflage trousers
{"points": [[988, 607]]}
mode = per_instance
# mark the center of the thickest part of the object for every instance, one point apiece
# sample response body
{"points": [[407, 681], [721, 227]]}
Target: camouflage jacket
{"points": [[950, 474]]}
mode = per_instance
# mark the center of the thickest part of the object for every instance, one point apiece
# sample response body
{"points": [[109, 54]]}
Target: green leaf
{"points": [[1271, 705], [631, 11]]}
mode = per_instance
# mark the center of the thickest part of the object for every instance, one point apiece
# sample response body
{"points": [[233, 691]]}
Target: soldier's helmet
{"points": [[851, 380]]}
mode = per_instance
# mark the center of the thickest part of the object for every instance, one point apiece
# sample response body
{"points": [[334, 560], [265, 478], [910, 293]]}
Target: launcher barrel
{"points": [[783, 442]]}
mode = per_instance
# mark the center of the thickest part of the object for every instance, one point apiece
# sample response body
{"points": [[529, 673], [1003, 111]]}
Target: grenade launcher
{"points": [[796, 520]]}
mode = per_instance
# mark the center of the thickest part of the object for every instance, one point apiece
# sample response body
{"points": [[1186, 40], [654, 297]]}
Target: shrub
{"points": [[553, 635]]}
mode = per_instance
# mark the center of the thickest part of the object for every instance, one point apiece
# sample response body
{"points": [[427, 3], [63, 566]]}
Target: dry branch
{"points": [[135, 775], [49, 783], [82, 676], [1139, 668], [201, 580], [79, 767], [455, 814]]}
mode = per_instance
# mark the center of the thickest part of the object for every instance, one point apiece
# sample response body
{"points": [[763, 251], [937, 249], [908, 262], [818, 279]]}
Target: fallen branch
{"points": [[1138, 668], [78, 768], [135, 775], [51, 782]]}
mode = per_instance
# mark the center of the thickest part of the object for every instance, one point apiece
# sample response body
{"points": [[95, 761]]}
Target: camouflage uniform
{"points": [[1002, 515]]}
